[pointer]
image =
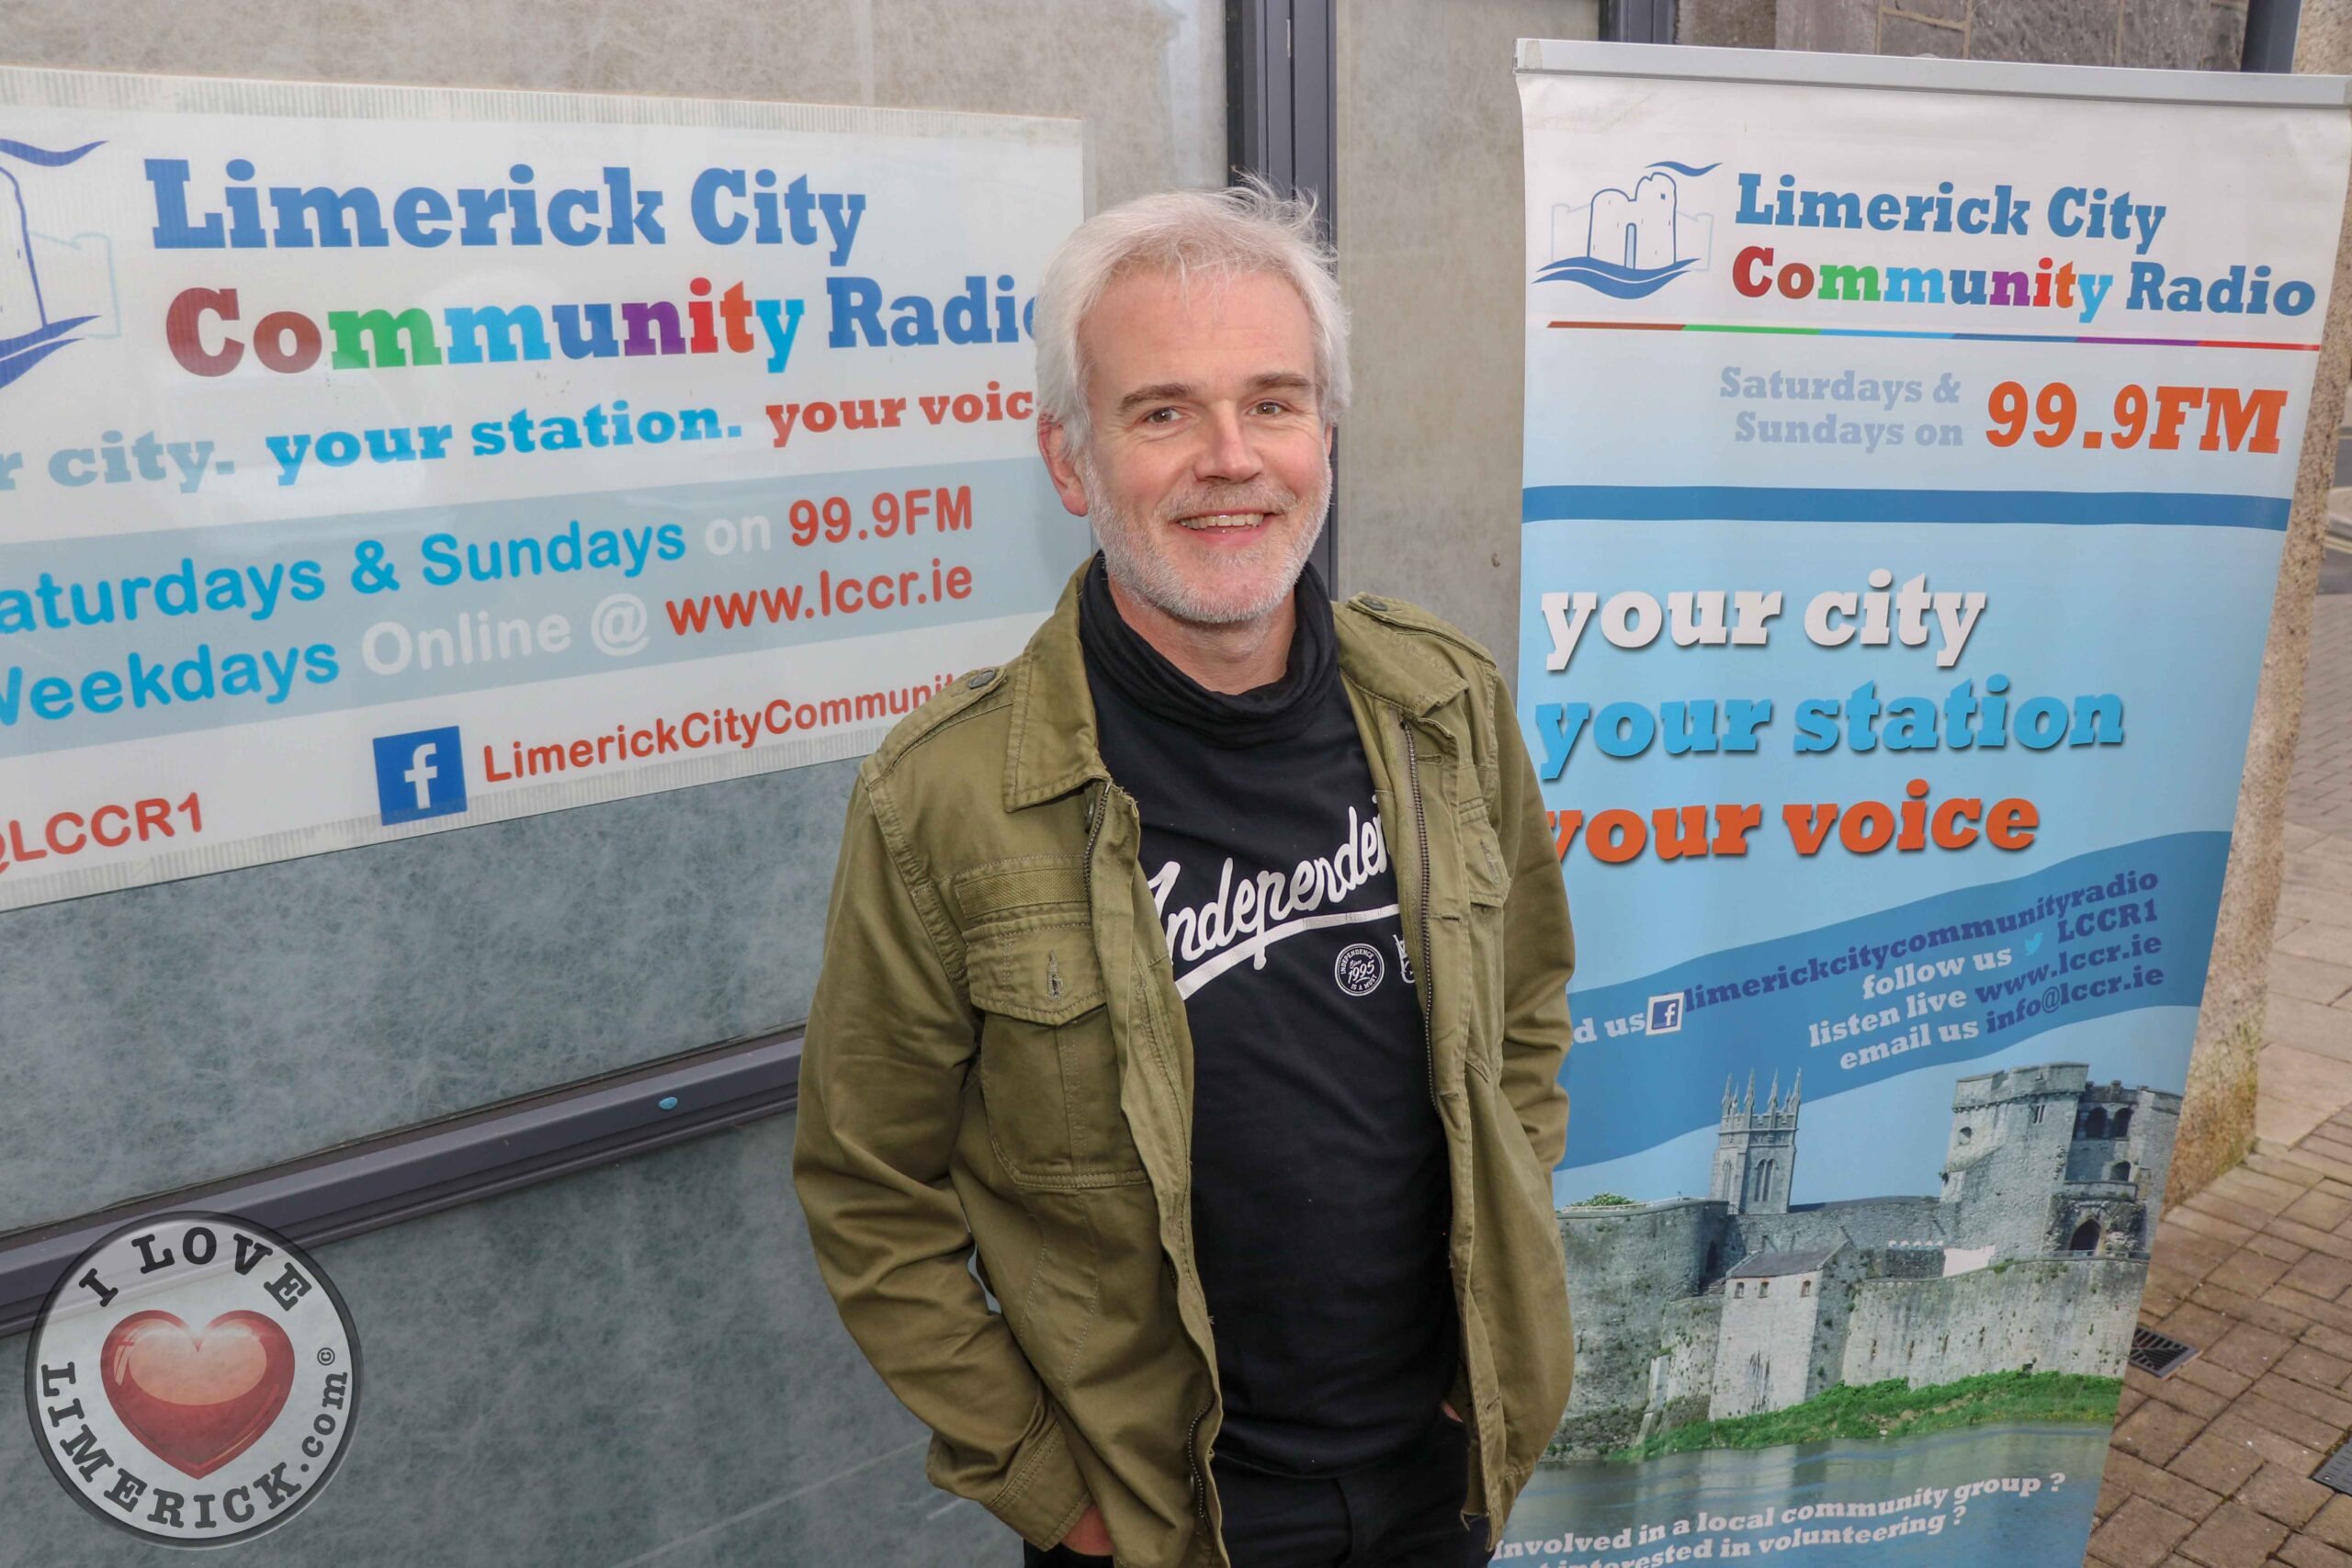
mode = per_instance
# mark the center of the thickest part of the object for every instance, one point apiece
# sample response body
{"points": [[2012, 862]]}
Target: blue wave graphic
{"points": [[1609, 277], [1685, 168], [19, 354], [1750, 1008], [43, 156]]}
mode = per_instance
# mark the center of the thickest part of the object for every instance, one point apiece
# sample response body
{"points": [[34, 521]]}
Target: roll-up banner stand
{"points": [[378, 461], [1909, 454]]}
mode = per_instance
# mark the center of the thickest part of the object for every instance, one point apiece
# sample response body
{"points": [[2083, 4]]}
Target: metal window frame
{"points": [[1637, 21], [404, 1175], [1281, 120]]}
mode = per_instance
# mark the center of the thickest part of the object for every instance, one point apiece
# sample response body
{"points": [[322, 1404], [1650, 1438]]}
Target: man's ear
{"points": [[1053, 446]]}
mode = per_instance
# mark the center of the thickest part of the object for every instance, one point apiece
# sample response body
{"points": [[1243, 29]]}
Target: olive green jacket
{"points": [[998, 1060]]}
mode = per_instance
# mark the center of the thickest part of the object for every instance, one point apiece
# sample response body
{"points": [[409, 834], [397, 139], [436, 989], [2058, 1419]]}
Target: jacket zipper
{"points": [[1421, 826]]}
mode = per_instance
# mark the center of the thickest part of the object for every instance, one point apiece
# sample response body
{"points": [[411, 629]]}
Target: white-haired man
{"points": [[1181, 1088]]}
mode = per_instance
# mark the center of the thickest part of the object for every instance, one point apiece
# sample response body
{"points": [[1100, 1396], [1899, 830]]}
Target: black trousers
{"points": [[1401, 1513]]}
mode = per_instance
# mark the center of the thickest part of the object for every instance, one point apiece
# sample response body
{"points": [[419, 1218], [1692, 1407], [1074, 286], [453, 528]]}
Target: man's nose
{"points": [[1229, 454]]}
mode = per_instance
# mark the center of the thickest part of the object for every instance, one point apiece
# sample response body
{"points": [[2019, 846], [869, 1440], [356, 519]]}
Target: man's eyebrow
{"points": [[1177, 391]]}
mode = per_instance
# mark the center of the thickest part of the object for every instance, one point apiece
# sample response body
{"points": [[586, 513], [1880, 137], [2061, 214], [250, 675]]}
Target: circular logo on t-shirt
{"points": [[1359, 969], [193, 1378]]}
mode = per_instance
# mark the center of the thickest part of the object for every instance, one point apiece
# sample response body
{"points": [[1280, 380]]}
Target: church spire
{"points": [[1750, 1107], [1772, 1105]]}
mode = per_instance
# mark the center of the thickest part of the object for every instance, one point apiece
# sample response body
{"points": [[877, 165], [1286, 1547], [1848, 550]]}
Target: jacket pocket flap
{"points": [[1485, 878], [1026, 885], [1042, 974]]}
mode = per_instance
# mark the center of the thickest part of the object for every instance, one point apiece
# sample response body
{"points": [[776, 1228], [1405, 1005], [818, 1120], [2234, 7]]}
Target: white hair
{"points": [[1219, 235]]}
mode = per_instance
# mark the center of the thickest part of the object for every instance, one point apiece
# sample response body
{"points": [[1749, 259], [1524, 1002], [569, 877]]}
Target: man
{"points": [[1182, 1089]]}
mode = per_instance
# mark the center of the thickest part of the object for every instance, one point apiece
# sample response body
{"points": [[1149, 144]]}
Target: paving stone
{"points": [[2265, 1194], [2127, 1401], [2189, 1252], [2244, 1309], [2319, 1209], [2282, 1297], [2205, 1374], [2234, 1535], [2277, 1246], [2311, 979], [2285, 1170], [2333, 1523], [2176, 1492], [2307, 1363], [2317, 1240], [2303, 1552], [2284, 1495], [2332, 1340], [2141, 1535], [2332, 1409], [2209, 1203], [2287, 1422], [2202, 1402], [2219, 1464], [2248, 1350], [2311, 938], [2272, 1446], [2190, 1217], [2251, 1273], [2156, 1431]]}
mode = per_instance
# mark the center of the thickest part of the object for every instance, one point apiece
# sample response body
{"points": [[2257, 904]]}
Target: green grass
{"points": [[1891, 1409]]}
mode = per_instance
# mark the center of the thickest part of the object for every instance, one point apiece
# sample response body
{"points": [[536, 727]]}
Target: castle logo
{"points": [[193, 1379], [1630, 244], [29, 335]]}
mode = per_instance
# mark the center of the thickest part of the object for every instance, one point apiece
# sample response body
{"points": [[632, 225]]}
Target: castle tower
{"points": [[1756, 1151]]}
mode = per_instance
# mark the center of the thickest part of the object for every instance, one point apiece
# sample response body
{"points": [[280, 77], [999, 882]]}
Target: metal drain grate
{"points": [[2338, 1471], [2160, 1355]]}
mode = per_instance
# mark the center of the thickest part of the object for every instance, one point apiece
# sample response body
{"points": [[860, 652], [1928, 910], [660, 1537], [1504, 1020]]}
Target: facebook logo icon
{"points": [[420, 774]]}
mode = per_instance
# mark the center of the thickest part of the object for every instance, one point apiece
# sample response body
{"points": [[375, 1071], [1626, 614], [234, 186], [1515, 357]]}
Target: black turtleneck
{"points": [[1320, 1198]]}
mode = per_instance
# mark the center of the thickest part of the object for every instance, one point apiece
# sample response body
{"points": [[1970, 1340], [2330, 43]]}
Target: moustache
{"points": [[1278, 498]]}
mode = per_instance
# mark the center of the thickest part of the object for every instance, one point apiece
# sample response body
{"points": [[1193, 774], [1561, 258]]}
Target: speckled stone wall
{"points": [[2186, 35], [1433, 212], [636, 1368]]}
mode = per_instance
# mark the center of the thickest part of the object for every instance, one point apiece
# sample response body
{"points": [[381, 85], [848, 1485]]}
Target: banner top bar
{"points": [[1577, 57]]}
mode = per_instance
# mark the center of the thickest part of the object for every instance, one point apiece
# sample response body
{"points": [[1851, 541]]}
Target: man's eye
{"points": [[1154, 417], [1271, 405]]}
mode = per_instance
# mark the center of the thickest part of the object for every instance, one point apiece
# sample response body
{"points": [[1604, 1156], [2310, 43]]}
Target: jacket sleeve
{"points": [[890, 1038], [1539, 945]]}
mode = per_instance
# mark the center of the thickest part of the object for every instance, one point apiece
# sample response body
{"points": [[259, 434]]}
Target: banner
{"points": [[377, 461], [1909, 454]]}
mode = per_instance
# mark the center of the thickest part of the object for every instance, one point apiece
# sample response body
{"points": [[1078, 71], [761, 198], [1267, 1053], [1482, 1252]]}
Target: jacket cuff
{"points": [[1046, 1495]]}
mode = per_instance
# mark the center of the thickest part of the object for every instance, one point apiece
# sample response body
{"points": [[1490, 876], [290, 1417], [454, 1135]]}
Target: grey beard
{"points": [[1151, 577]]}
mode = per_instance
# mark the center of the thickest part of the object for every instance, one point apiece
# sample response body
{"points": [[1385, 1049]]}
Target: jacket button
{"points": [[1372, 604], [980, 678]]}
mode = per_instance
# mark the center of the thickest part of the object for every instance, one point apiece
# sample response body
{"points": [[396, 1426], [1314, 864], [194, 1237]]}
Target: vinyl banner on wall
{"points": [[1909, 454], [375, 461]]}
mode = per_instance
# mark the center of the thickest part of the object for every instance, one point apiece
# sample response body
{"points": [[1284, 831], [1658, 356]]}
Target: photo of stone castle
{"points": [[2031, 1257]]}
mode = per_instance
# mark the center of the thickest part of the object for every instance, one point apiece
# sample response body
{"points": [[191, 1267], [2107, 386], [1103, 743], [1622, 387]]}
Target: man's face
{"points": [[1208, 473]]}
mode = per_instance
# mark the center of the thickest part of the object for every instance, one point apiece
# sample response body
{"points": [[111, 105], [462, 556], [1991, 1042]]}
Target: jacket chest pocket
{"points": [[1487, 888], [1049, 1068]]}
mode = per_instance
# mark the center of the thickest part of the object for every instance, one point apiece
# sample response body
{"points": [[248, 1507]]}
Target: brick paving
{"points": [[2211, 1467]]}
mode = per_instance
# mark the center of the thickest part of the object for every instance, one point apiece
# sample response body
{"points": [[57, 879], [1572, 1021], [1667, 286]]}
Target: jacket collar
{"points": [[1053, 750]]}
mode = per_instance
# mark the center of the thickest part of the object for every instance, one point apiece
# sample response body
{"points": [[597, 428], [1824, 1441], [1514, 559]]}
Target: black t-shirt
{"points": [[1320, 1198]]}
